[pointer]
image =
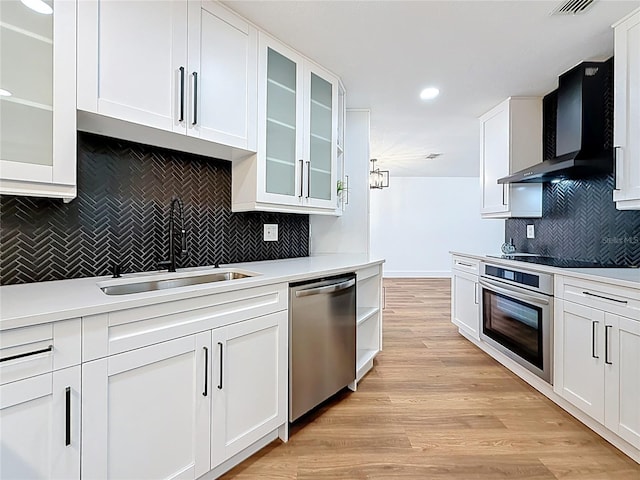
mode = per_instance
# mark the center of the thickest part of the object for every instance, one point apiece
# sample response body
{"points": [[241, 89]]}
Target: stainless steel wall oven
{"points": [[517, 315]]}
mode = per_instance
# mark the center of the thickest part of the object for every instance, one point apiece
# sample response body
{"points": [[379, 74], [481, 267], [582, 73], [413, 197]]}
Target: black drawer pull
{"points": [[221, 369], [606, 344], [206, 371], [67, 429], [28, 354], [605, 298]]}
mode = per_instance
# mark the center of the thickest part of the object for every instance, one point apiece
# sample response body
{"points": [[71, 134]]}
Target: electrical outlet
{"points": [[270, 232], [531, 233]]}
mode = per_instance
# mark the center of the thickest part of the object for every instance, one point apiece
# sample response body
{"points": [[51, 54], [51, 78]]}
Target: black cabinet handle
{"points": [[67, 428], [604, 298], [28, 354], [220, 381], [593, 339], [206, 371], [181, 118], [606, 344], [195, 98]]}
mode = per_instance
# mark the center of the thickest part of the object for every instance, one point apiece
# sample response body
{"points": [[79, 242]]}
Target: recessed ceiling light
{"points": [[4, 93], [429, 93], [38, 6]]}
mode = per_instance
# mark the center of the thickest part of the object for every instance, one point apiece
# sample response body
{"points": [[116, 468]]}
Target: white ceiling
{"points": [[476, 52]]}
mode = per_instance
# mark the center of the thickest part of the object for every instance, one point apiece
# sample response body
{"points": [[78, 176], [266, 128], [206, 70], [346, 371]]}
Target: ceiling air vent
{"points": [[573, 7]]}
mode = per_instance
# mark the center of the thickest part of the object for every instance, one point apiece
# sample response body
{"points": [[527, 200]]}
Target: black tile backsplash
{"points": [[580, 221], [121, 215], [579, 217]]}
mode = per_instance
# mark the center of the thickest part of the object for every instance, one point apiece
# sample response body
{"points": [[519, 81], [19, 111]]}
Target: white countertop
{"points": [[622, 277], [40, 302]]}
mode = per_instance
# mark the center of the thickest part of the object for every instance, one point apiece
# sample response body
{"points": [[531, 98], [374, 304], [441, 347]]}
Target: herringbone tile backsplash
{"points": [[580, 221], [579, 217], [121, 215]]}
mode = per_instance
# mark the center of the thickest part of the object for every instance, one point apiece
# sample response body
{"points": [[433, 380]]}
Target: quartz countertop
{"points": [[41, 302], [622, 277]]}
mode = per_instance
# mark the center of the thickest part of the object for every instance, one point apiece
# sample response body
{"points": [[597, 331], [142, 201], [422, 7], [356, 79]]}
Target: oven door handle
{"points": [[517, 295]]}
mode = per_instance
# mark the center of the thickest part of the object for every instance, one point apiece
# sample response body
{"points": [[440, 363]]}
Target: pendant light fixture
{"points": [[378, 178]]}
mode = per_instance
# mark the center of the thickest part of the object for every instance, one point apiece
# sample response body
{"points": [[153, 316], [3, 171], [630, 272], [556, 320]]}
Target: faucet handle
{"points": [[183, 241], [164, 264]]}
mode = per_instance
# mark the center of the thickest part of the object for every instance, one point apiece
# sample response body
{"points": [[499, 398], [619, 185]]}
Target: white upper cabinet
{"points": [[295, 167], [130, 58], [37, 104], [626, 128], [222, 63], [321, 136], [187, 67], [510, 140], [280, 138]]}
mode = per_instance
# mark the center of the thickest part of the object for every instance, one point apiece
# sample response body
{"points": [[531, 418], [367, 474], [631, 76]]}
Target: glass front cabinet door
{"points": [[37, 98], [294, 169], [321, 117], [284, 123]]}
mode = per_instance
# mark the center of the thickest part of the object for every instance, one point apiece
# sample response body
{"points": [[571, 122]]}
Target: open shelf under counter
{"points": [[364, 314], [364, 357]]}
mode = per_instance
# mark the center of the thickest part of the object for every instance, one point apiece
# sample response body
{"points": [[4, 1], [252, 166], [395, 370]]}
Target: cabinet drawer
{"points": [[29, 351], [117, 332], [609, 298], [465, 264]]}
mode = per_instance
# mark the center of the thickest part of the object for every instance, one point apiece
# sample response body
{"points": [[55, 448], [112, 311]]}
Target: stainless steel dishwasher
{"points": [[322, 340]]}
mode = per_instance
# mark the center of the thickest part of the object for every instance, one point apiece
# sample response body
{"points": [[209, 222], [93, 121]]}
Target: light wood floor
{"points": [[436, 407]]}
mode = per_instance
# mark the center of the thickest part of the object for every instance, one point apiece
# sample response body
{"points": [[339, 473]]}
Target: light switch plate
{"points": [[270, 232], [531, 233]]}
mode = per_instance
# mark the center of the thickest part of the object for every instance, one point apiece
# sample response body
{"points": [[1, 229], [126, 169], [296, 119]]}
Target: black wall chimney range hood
{"points": [[582, 147]]}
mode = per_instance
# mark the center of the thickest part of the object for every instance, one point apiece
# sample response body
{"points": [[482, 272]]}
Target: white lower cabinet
{"points": [[579, 347], [465, 301], [597, 354], [182, 407], [40, 425], [249, 378], [146, 412], [622, 378]]}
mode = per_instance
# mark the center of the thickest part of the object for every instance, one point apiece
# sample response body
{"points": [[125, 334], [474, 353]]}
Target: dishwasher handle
{"points": [[335, 287]]}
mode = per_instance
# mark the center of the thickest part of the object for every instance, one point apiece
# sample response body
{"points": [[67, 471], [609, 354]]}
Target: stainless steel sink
{"points": [[165, 283]]}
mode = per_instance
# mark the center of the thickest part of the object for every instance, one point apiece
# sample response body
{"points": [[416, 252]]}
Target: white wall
{"points": [[348, 233], [418, 220]]}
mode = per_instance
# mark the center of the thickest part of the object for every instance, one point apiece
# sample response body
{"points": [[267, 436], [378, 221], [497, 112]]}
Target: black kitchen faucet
{"points": [[176, 205]]}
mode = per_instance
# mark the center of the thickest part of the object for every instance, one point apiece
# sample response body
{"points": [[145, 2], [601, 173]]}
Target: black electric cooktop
{"points": [[560, 262]]}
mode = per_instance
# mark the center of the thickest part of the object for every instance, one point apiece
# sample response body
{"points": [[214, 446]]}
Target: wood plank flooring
{"points": [[436, 407]]}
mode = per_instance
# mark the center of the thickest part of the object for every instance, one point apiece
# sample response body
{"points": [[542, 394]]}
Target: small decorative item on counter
{"points": [[508, 248]]}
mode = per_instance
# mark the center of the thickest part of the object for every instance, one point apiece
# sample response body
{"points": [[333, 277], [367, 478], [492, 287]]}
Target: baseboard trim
{"points": [[241, 456]]}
